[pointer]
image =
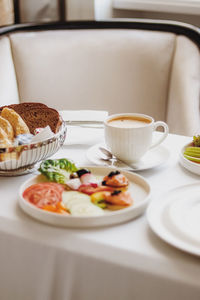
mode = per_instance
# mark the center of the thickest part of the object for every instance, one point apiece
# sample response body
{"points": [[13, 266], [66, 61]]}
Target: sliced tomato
{"points": [[89, 189], [43, 194]]}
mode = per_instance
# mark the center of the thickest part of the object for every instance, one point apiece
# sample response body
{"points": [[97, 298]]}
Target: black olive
{"points": [[116, 192], [73, 175], [113, 173], [104, 182], [82, 171]]}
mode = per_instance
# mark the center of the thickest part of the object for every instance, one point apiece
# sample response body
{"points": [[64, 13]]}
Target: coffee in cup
{"points": [[129, 135]]}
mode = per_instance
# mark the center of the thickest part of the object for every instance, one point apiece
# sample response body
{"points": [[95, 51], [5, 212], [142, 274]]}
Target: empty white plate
{"points": [[175, 218], [184, 213]]}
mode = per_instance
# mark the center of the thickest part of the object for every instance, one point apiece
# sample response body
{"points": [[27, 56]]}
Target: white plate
{"points": [[189, 165], [174, 218], [153, 158], [139, 189], [184, 213]]}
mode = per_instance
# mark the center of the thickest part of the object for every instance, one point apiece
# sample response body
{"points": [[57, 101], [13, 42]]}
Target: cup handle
{"points": [[164, 135]]}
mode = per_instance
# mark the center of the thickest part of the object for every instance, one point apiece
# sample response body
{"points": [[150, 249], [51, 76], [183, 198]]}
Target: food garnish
{"points": [[57, 170], [91, 189], [115, 179], [81, 172], [192, 153], [98, 199], [119, 198], [88, 178], [79, 204], [196, 141], [74, 183], [78, 192]]}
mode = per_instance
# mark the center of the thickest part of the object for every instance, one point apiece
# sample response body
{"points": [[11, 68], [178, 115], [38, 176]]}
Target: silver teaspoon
{"points": [[107, 153], [111, 157], [107, 157]]}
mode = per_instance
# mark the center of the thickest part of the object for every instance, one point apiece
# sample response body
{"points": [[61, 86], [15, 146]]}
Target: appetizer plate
{"points": [[188, 164], [153, 158], [138, 187], [175, 218]]}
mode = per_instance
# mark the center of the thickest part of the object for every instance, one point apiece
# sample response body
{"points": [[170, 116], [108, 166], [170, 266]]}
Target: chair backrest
{"points": [[119, 69]]}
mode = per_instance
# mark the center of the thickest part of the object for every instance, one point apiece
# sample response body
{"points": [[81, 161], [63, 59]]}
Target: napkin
{"points": [[84, 115], [80, 134], [43, 135]]}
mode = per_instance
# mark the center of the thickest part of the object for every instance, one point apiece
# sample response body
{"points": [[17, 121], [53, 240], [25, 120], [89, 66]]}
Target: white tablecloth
{"points": [[128, 261]]}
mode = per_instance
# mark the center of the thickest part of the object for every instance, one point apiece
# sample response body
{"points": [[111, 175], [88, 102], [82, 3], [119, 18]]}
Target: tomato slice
{"points": [[43, 194]]}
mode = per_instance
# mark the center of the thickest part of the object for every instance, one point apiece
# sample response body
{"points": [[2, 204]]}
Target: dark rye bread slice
{"points": [[37, 117], [21, 106]]}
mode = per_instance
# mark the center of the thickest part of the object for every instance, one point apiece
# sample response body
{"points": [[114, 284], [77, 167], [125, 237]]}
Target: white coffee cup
{"points": [[129, 135]]}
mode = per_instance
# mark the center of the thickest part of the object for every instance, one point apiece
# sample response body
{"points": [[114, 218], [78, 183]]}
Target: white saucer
{"points": [[175, 218], [188, 164], [153, 158]]}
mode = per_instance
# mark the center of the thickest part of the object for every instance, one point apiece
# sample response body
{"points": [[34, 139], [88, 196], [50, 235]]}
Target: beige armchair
{"points": [[151, 67]]}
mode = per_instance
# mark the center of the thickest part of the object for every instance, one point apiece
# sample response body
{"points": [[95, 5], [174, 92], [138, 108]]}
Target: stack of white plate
{"points": [[176, 218]]}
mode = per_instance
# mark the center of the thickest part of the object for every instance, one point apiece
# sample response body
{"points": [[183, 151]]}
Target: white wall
{"points": [[103, 9], [80, 9], [88, 9]]}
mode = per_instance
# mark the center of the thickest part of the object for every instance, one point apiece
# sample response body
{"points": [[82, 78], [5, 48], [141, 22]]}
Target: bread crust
{"points": [[4, 143], [25, 105], [18, 124], [40, 118], [37, 115], [3, 135], [6, 126]]}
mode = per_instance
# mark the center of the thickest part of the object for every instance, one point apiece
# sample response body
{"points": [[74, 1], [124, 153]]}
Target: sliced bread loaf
{"points": [[18, 124], [7, 127], [40, 118], [37, 115], [25, 105]]}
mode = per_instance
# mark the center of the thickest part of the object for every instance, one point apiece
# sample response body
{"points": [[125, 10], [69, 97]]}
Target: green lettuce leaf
{"points": [[57, 170]]}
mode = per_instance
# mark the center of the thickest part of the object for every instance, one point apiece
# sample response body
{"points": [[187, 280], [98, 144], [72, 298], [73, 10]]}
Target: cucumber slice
{"points": [[86, 209], [192, 158], [71, 197], [73, 202]]}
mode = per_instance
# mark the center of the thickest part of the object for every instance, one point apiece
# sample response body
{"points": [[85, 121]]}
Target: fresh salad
{"points": [[192, 152], [76, 191]]}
